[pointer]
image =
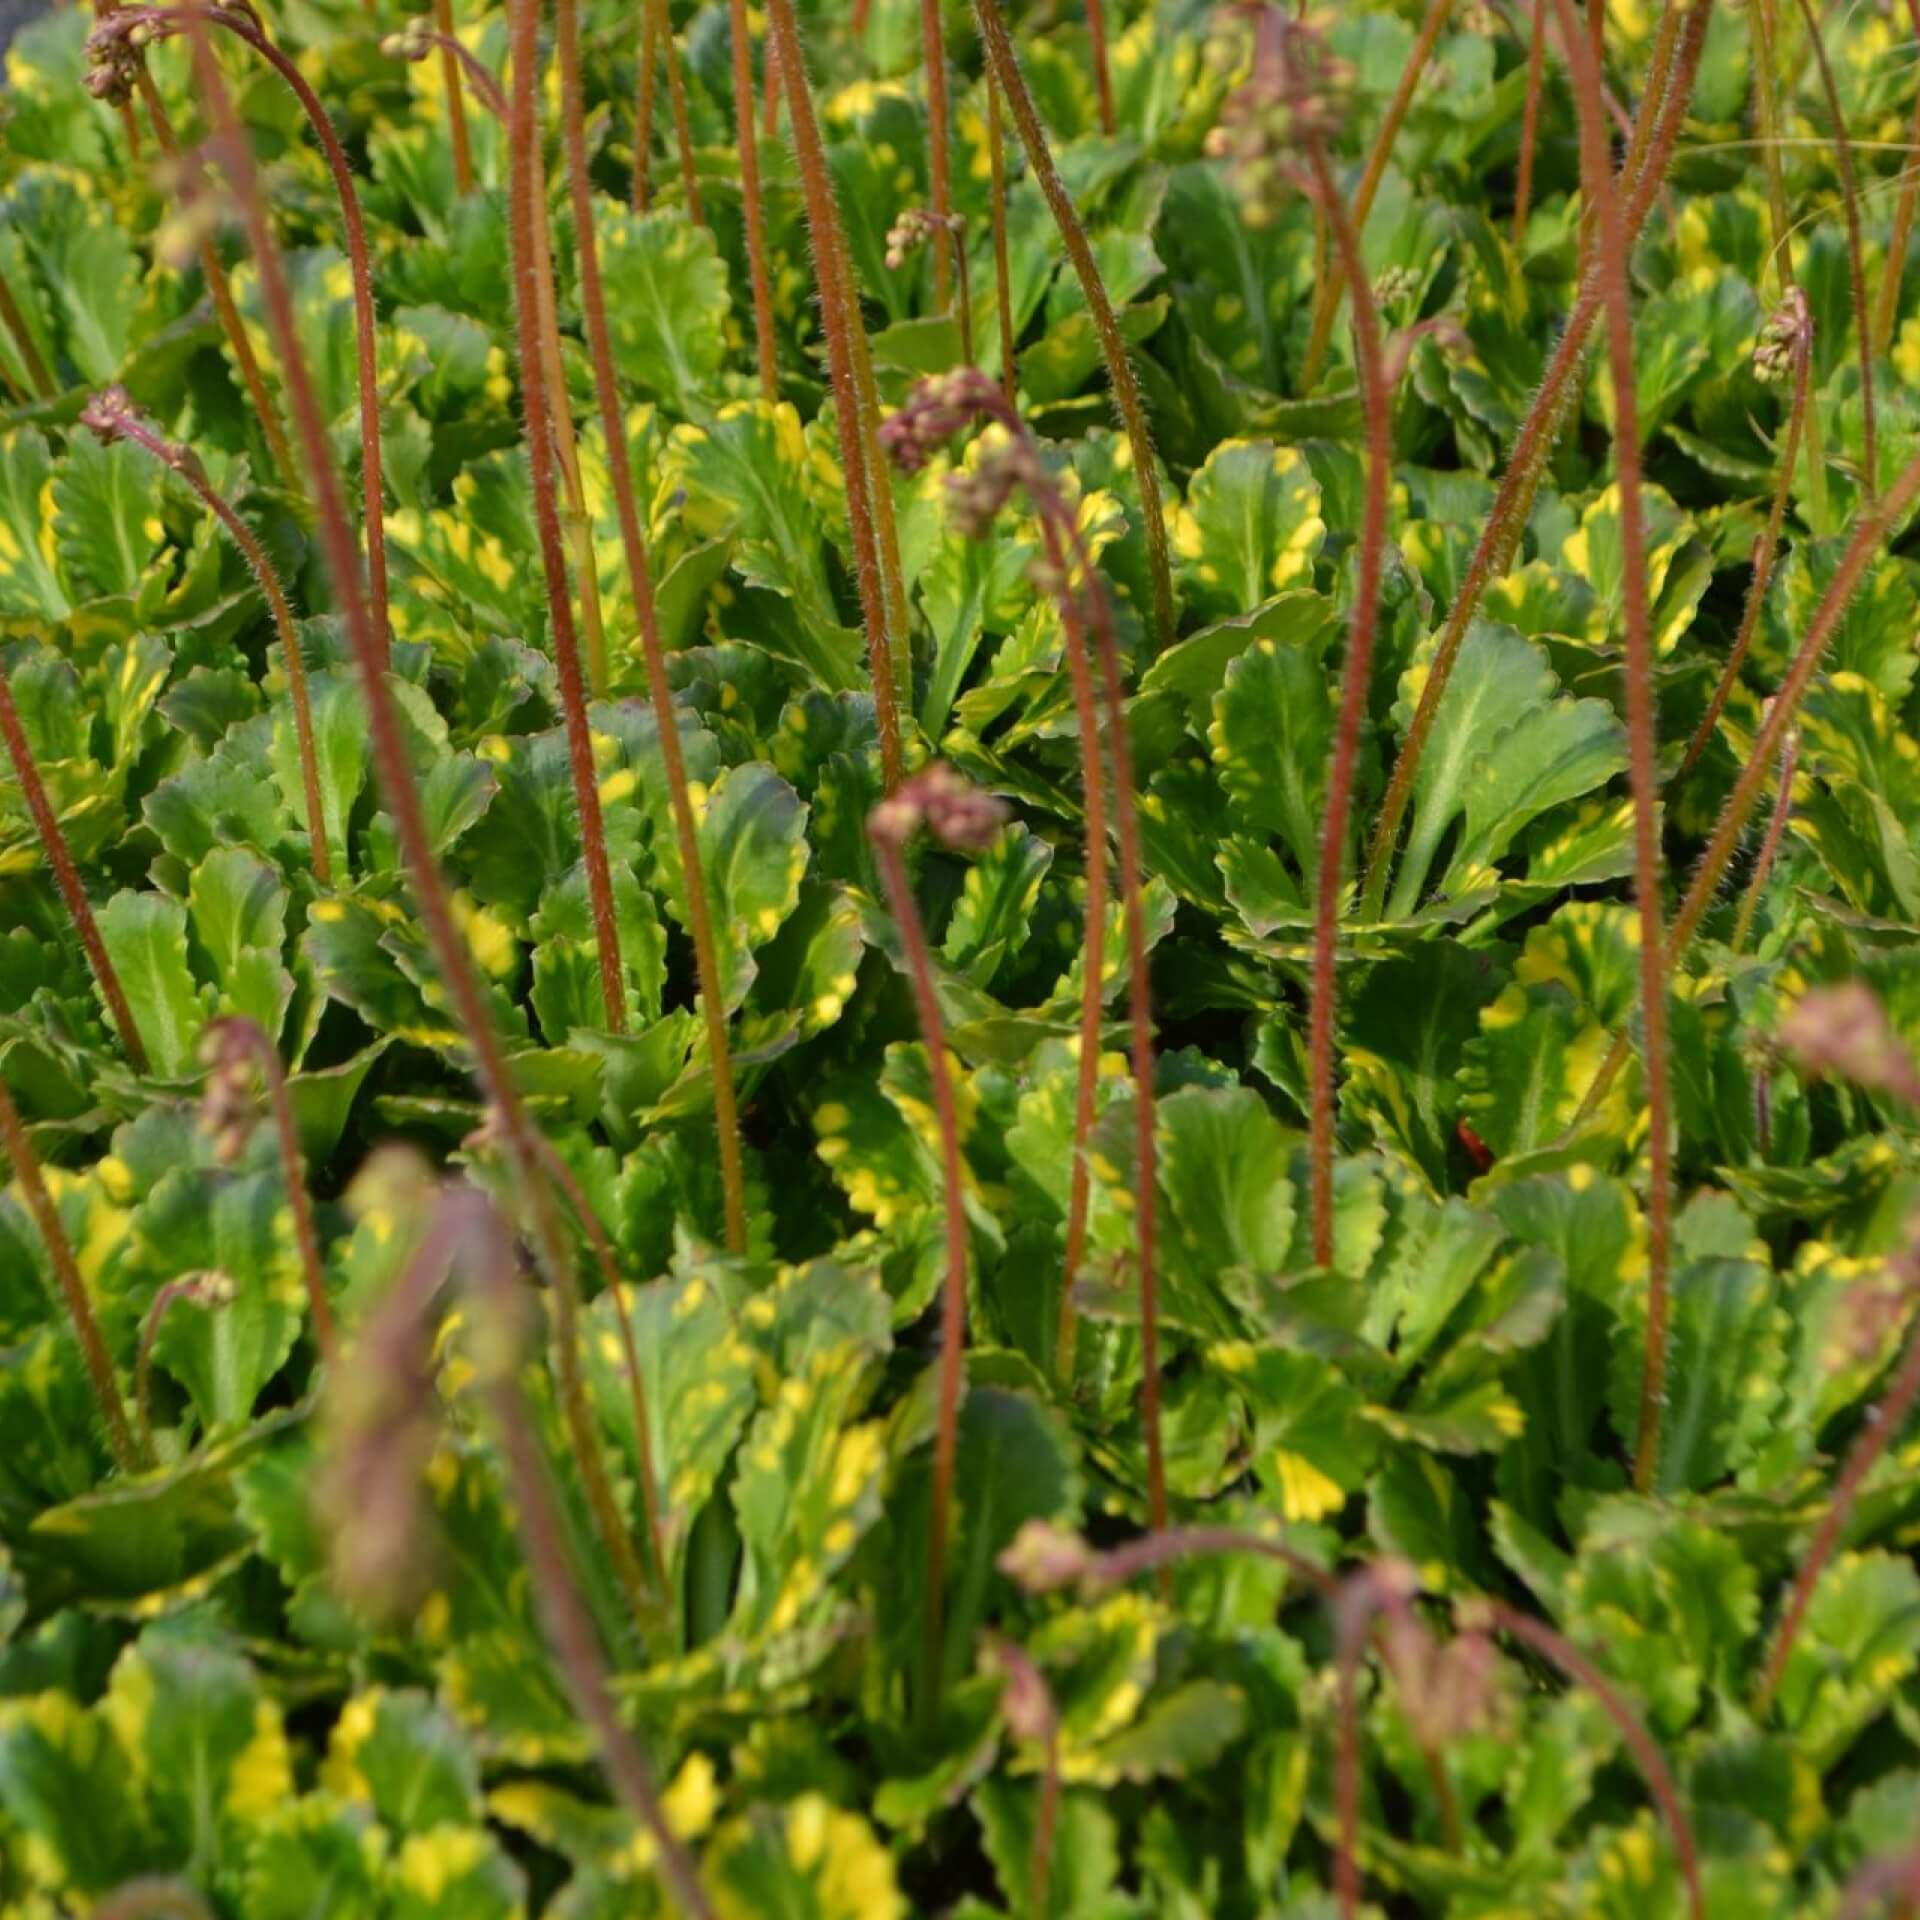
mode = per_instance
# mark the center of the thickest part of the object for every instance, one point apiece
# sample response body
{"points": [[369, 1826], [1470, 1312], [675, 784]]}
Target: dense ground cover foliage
{"points": [[959, 961]]}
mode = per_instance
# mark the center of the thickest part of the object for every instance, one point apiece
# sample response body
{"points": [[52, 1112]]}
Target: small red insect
{"points": [[1477, 1149]]}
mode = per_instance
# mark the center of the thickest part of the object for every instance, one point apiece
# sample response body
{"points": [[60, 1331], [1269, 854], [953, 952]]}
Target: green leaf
{"points": [[1858, 1644], [406, 1758], [29, 585], [238, 906], [342, 755], [105, 529], [70, 1788], [146, 939], [1250, 528], [667, 304], [994, 914]]}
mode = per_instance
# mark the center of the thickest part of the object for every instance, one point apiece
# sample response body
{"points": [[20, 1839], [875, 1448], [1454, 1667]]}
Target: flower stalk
{"points": [[1005, 66], [958, 816], [933, 59], [1530, 121], [25, 345], [542, 406], [640, 577], [1610, 266], [753, 212], [840, 320], [1002, 264], [1513, 500], [209, 1290], [111, 415], [67, 878], [390, 756], [456, 98], [114, 52], [1769, 846], [73, 1289]]}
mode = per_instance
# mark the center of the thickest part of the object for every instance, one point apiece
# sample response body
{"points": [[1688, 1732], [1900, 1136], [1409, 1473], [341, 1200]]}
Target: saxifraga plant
{"points": [[1785, 345], [1769, 846], [523, 140], [840, 320], [1326, 304], [111, 416], [935, 410], [114, 55], [388, 743], [1027, 1706], [73, 1289], [1856, 258], [66, 877], [657, 41], [1291, 69], [1610, 265], [1005, 64], [456, 97], [640, 576], [752, 211], [234, 1049], [1869, 531], [1844, 1031], [961, 817], [1665, 109]]}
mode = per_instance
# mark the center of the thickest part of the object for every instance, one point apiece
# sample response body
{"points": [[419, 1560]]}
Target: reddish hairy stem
{"points": [[247, 29], [569, 1628], [73, 1289], [1327, 301], [1765, 549], [524, 149], [1876, 1434], [1507, 521], [267, 578], [1002, 266], [1113, 348], [1856, 260], [769, 88], [390, 757], [220, 291], [67, 878], [1870, 529], [1610, 262], [561, 1175], [293, 1171], [1530, 121], [456, 100], [1102, 77], [24, 343], [485, 87], [640, 577], [840, 318], [1769, 845], [643, 99], [1895, 271], [753, 211], [1563, 1654], [1094, 942], [1356, 679], [933, 55], [953, 1300], [677, 100]]}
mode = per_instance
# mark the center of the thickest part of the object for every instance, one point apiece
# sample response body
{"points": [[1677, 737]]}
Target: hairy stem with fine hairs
{"points": [[840, 319], [1355, 681], [66, 875], [489, 1266], [525, 189], [1002, 265], [889, 844], [73, 1289], [1856, 259], [1326, 303], [1513, 501], [706, 959], [387, 739], [1769, 846], [1610, 263], [660, 15], [1870, 529], [1102, 74], [111, 416], [1005, 64], [753, 212], [1895, 270], [1765, 548], [247, 28], [644, 95], [1577, 1667], [24, 343], [456, 100]]}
